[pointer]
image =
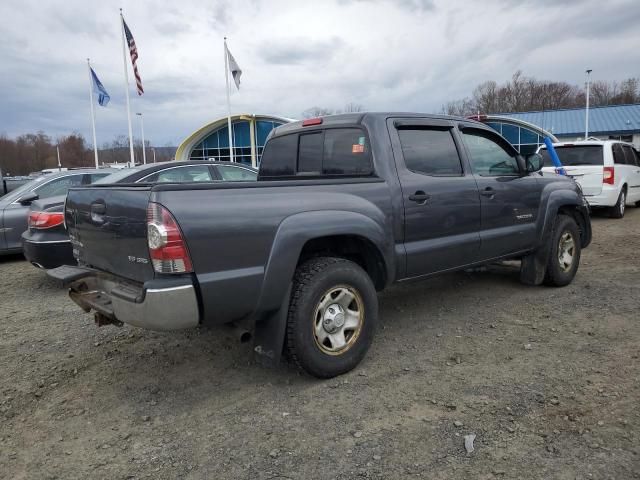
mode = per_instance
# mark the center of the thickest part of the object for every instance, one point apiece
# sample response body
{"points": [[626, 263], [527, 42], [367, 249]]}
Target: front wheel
{"points": [[617, 211], [332, 316], [564, 252]]}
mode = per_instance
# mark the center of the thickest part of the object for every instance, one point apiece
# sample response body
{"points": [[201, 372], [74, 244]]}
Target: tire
{"points": [[564, 252], [617, 211], [320, 340], [637, 204]]}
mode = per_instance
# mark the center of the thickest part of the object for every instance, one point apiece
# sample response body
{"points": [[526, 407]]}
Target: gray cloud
{"points": [[384, 54], [294, 51]]}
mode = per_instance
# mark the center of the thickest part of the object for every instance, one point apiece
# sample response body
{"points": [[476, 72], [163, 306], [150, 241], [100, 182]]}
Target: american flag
{"points": [[133, 51]]}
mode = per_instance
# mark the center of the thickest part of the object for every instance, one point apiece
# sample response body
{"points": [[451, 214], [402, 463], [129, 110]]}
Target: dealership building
{"points": [[211, 141], [526, 130]]}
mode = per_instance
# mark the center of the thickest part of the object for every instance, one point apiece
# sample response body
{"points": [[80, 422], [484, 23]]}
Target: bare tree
{"points": [[353, 108], [314, 112]]}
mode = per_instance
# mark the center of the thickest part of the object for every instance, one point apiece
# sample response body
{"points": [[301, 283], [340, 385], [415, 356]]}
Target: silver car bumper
{"points": [[173, 307]]}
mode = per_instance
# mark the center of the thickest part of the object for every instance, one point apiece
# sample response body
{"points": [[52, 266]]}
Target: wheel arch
{"points": [[345, 234]]}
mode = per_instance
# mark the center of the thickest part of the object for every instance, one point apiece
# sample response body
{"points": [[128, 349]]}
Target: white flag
{"points": [[234, 69]]}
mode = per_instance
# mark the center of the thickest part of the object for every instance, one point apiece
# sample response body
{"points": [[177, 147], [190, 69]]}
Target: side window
{"points": [[618, 154], [196, 173], [629, 155], [236, 174], [637, 154], [59, 186], [430, 151], [94, 177], [346, 152], [310, 153], [489, 157], [279, 157]]}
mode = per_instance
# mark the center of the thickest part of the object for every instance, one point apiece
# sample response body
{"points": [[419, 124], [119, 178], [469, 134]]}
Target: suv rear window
{"points": [[331, 152], [575, 155]]}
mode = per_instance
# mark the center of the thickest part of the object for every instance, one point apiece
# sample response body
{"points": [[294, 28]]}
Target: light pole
{"points": [[154, 154], [144, 155], [586, 118]]}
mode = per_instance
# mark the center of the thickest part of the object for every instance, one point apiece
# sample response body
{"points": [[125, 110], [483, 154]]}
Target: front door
{"points": [[440, 197], [510, 199]]}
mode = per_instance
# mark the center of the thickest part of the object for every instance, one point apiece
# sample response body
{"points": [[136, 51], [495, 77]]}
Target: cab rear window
{"points": [[573, 155], [328, 152]]}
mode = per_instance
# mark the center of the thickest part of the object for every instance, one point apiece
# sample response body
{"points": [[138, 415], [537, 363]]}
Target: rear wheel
{"points": [[617, 211], [564, 252], [332, 316]]}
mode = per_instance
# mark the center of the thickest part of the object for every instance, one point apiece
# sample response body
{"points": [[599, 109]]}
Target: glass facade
{"points": [[526, 141], [215, 147]]}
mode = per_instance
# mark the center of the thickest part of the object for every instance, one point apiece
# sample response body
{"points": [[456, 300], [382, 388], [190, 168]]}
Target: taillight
{"points": [[167, 247], [609, 175], [44, 220]]}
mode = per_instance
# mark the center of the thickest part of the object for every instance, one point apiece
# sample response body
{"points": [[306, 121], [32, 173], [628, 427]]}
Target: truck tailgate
{"points": [[108, 229]]}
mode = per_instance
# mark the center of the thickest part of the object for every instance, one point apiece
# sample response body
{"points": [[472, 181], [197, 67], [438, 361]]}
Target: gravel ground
{"points": [[546, 379]]}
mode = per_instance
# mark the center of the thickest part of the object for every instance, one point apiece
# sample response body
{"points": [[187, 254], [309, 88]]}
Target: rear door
{"points": [[509, 199], [582, 162], [633, 176], [440, 196]]}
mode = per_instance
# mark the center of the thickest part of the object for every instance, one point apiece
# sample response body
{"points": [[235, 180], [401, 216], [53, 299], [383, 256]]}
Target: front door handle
{"points": [[488, 192], [420, 197]]}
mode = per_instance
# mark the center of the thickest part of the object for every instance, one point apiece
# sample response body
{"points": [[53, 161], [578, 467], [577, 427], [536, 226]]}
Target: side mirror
{"points": [[27, 198], [534, 162]]}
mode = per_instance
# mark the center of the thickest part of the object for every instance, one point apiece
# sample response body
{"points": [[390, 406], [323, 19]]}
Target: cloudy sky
{"points": [[410, 55]]}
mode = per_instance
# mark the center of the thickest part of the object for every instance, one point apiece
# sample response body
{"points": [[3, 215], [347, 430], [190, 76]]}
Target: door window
{"points": [[430, 151], [230, 173], [489, 156], [618, 154], [59, 186], [629, 155]]}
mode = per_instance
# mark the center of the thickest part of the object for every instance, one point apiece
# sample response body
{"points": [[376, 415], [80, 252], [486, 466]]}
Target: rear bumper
{"points": [[169, 304], [48, 254], [608, 197]]}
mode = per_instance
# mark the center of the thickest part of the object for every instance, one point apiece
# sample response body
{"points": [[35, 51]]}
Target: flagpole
{"points": [[226, 76], [93, 115], [126, 90]]}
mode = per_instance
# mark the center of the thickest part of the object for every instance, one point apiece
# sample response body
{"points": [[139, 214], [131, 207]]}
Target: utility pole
{"points": [[59, 164], [586, 118], [144, 154]]}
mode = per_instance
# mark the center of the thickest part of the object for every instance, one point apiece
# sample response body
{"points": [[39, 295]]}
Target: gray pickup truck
{"points": [[344, 206]]}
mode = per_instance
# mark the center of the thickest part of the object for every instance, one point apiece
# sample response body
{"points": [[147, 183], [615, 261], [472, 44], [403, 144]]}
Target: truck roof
{"points": [[356, 118]]}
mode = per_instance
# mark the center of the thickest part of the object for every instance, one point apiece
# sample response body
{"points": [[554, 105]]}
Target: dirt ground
{"points": [[547, 379]]}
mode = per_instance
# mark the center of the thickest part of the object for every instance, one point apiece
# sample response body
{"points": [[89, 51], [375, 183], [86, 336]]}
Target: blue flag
{"points": [[103, 96]]}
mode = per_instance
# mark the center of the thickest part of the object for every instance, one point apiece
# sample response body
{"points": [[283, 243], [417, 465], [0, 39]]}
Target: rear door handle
{"points": [[420, 197], [488, 192]]}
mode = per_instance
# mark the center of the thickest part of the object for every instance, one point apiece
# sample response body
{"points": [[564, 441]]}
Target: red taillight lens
{"points": [[43, 220], [311, 121], [609, 175], [167, 247]]}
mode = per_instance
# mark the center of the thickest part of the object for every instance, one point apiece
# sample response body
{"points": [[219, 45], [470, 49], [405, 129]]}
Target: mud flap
{"points": [[268, 334], [534, 266]]}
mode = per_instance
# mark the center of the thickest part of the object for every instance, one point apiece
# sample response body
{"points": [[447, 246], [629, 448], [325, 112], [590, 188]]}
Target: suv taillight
{"points": [[609, 175], [44, 220], [167, 247]]}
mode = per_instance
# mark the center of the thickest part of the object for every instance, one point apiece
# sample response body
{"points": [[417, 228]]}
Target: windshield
{"points": [[573, 155]]}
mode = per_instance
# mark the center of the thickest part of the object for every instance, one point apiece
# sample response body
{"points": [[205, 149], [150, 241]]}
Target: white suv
{"points": [[608, 171]]}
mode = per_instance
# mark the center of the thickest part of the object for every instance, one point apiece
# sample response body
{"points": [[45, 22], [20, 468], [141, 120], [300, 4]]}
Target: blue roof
{"points": [[615, 119]]}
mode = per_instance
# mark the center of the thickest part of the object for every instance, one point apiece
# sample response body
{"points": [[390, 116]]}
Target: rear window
{"points": [[331, 152], [573, 156]]}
